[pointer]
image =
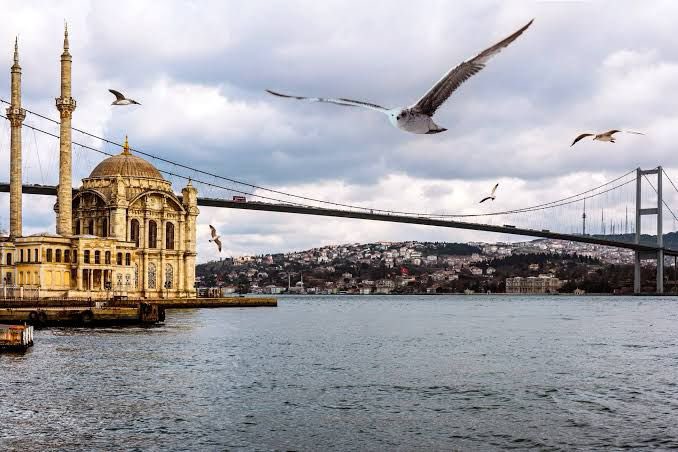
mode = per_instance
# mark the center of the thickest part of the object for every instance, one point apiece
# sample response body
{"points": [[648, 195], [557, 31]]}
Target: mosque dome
{"points": [[125, 164]]}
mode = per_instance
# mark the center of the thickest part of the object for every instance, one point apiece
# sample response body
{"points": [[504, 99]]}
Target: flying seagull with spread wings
{"points": [[605, 136], [215, 238], [418, 118], [122, 100], [492, 197]]}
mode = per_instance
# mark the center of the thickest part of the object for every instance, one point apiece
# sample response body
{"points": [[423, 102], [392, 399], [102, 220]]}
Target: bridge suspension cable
{"points": [[543, 206], [670, 180], [663, 201], [84, 146]]}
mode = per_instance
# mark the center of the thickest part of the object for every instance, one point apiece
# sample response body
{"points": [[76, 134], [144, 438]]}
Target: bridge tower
{"points": [[16, 116], [640, 211], [583, 220], [66, 105]]}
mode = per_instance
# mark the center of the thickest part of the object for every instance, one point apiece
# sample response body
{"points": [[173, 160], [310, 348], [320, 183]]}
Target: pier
{"points": [[100, 314], [221, 302], [61, 312]]}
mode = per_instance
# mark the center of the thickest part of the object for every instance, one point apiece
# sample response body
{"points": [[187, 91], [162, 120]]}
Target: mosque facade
{"points": [[124, 232]]}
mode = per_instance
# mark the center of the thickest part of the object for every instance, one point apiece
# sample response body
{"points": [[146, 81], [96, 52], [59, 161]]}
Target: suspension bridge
{"points": [[630, 206]]}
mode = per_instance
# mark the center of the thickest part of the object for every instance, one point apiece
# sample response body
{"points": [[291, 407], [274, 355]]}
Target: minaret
{"points": [[16, 116], [65, 104], [190, 202]]}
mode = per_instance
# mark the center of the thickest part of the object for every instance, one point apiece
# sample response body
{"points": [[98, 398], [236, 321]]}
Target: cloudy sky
{"points": [[200, 69]]}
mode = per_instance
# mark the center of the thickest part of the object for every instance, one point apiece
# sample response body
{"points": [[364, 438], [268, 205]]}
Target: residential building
{"points": [[533, 284]]}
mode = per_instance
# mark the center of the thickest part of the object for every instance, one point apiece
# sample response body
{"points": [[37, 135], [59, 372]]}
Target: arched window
{"points": [[49, 254], [85, 258], [77, 227], [107, 257], [169, 276], [151, 275], [119, 259], [169, 236], [134, 232], [9, 260], [67, 256], [57, 255], [90, 227], [97, 257], [128, 259], [152, 234], [104, 227]]}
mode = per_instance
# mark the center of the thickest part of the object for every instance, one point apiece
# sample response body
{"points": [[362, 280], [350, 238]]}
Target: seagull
{"points": [[606, 136], [418, 118], [215, 238], [122, 100], [491, 195]]}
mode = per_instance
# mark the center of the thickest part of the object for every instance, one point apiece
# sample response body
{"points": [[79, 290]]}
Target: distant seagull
{"points": [[417, 118], [215, 238], [492, 197], [122, 100], [606, 136]]}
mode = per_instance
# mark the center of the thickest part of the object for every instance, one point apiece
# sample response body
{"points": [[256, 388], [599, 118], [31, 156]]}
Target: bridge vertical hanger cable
{"points": [[25, 156], [37, 153]]}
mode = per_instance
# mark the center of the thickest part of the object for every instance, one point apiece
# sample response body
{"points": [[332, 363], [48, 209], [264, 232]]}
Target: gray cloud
{"points": [[515, 120]]}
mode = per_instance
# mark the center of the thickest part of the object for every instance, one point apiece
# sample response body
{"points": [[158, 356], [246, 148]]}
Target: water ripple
{"points": [[356, 373]]}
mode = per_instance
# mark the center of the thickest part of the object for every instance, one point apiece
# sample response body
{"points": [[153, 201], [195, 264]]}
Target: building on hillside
{"points": [[533, 284], [273, 289], [476, 271], [123, 233], [385, 286]]}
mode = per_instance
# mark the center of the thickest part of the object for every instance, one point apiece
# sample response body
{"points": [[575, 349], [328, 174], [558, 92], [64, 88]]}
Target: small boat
{"points": [[15, 337]]}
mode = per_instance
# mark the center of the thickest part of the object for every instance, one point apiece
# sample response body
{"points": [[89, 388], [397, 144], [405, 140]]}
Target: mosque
{"points": [[122, 233]]}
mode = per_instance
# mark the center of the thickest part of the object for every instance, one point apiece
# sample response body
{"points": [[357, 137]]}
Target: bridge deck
{"points": [[295, 209]]}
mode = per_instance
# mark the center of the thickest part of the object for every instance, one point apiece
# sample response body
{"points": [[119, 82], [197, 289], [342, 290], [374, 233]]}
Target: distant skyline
{"points": [[199, 70]]}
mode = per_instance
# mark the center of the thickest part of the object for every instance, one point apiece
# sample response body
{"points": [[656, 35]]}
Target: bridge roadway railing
{"points": [[50, 190]]}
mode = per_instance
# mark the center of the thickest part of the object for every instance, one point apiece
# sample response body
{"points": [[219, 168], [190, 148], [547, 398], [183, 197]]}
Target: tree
{"points": [[243, 285]]}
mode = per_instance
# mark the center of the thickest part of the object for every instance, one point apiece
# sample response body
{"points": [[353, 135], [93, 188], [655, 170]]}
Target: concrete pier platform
{"points": [[223, 302], [86, 313], [143, 313]]}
